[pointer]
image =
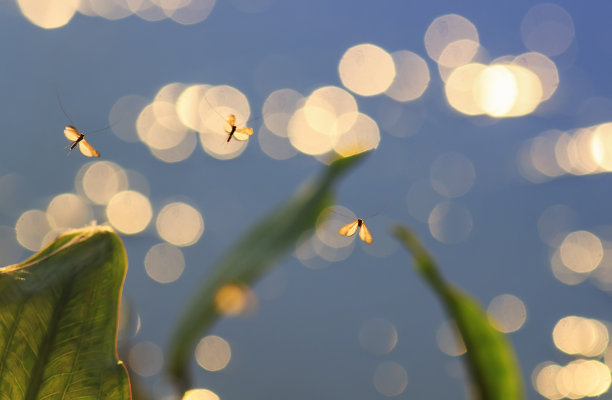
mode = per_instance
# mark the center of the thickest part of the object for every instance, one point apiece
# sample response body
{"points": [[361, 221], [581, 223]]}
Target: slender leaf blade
{"points": [[490, 357], [58, 320], [250, 258]]}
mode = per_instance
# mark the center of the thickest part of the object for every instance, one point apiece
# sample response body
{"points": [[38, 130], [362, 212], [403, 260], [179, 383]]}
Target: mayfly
{"points": [[350, 229], [76, 137]]}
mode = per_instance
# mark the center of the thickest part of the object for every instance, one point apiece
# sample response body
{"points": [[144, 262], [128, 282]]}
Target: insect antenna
{"points": [[61, 105], [59, 100], [108, 127], [351, 217], [339, 213], [224, 118]]}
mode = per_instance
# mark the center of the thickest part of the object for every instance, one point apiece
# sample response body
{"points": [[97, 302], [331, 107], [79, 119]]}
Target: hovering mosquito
{"points": [[350, 229], [77, 138]]}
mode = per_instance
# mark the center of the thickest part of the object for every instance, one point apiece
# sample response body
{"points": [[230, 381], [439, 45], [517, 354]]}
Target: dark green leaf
{"points": [[490, 357], [58, 320], [250, 258]]}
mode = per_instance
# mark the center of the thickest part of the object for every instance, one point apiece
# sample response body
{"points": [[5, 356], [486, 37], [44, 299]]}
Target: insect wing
{"points": [[349, 229], [88, 149], [365, 234], [72, 133], [230, 123], [243, 133]]}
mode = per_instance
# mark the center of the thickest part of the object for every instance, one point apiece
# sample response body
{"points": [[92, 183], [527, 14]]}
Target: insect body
{"points": [[78, 138], [350, 229], [237, 133]]}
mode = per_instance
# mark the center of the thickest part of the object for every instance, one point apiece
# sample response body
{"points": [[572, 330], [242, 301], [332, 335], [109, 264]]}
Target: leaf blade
{"points": [[250, 258], [490, 358], [58, 320]]}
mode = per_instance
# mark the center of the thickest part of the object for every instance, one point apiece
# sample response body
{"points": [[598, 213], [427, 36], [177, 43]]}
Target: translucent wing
{"points": [[88, 149], [243, 133], [364, 234], [71, 133], [230, 123], [349, 229]]}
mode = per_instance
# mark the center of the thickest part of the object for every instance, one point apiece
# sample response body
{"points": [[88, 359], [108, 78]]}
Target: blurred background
{"points": [[491, 124]]}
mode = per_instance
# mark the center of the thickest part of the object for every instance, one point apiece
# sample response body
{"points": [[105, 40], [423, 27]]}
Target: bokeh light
{"points": [[306, 253], [366, 69], [305, 138], [57, 13], [180, 224], [200, 394], [507, 313], [458, 53], [452, 174], [364, 135], [48, 14], [109, 9], [580, 151], [329, 119], [581, 336], [450, 223], [562, 272], [544, 380], [178, 153], [421, 199], [190, 12], [275, 146], [390, 379], [234, 299], [378, 336], [157, 127], [164, 263], [538, 162], [278, 108], [499, 90], [129, 212], [459, 88], [213, 353], [123, 114], [188, 106], [99, 181], [544, 68], [411, 76], [330, 110], [547, 28], [581, 251], [582, 378], [449, 339], [332, 253], [329, 222], [145, 359], [68, 210], [31, 228], [445, 30]]}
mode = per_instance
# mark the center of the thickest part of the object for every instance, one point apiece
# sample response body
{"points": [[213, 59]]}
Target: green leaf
{"points": [[490, 358], [58, 320], [249, 259]]}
